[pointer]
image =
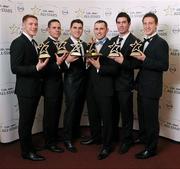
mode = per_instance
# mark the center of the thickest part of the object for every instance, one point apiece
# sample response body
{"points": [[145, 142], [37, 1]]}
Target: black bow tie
{"points": [[147, 39]]}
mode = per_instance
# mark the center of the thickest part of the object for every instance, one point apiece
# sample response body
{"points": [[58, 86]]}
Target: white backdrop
{"points": [[11, 12]]}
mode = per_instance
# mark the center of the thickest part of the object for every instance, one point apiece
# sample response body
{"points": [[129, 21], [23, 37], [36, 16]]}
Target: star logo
{"points": [[14, 29], [80, 13], [169, 11], [35, 10]]}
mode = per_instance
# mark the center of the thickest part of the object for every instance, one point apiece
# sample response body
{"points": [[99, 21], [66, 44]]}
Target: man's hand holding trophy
{"points": [[43, 56], [136, 52]]}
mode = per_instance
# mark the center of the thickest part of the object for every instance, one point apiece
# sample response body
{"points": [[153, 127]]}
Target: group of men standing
{"points": [[106, 83]]}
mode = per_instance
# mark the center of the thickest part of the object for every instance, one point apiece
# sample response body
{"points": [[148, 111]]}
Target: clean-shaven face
{"points": [[100, 30], [122, 25], [149, 26], [30, 26], [54, 30], [76, 30]]}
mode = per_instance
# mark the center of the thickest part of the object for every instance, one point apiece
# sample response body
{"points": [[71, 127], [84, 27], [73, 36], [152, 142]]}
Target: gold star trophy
{"points": [[76, 51], [115, 50], [43, 53], [136, 48], [92, 51], [61, 49]]}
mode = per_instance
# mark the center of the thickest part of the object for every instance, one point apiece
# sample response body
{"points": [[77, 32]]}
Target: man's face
{"points": [[122, 25], [100, 30], [149, 26], [30, 26], [54, 30], [76, 30]]}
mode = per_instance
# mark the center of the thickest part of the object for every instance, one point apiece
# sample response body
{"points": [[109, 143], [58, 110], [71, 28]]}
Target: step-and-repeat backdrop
{"points": [[12, 11]]}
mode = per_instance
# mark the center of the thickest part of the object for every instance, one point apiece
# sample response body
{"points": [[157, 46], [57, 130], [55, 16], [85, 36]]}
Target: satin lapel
{"points": [[104, 47]]}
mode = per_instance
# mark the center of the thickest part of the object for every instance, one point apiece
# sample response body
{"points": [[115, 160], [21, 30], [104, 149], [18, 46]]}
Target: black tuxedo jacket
{"points": [[102, 82], [150, 77], [125, 78], [24, 58], [52, 73], [78, 66]]}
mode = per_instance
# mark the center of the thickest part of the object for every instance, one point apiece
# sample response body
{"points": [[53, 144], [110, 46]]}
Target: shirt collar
{"points": [[149, 37], [75, 41], [29, 37], [124, 36], [53, 38]]}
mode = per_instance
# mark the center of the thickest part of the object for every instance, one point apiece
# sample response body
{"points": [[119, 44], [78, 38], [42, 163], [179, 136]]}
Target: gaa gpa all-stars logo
{"points": [[172, 10], [6, 7]]}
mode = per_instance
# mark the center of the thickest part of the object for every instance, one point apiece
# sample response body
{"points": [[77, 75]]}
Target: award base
{"points": [[114, 55], [62, 52], [93, 55], [44, 56], [135, 54], [75, 53]]}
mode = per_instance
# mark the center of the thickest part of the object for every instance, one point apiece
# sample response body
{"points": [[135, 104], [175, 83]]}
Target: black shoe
{"points": [[104, 153], [125, 148], [70, 147], [145, 154], [33, 156], [91, 140], [138, 141], [54, 148]]}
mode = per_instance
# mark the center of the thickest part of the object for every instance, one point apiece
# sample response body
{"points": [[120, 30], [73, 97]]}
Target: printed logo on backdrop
{"points": [[87, 30], [4, 51], [43, 28], [88, 13], [172, 11], [112, 32], [65, 11], [174, 52], [163, 30], [172, 68], [176, 29], [20, 7], [15, 29], [48, 10], [108, 12], [171, 90], [170, 125], [6, 7], [137, 12]]}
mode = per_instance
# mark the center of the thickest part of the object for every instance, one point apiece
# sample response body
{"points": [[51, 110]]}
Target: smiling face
{"points": [[54, 30], [100, 30], [149, 26], [76, 30], [30, 26]]}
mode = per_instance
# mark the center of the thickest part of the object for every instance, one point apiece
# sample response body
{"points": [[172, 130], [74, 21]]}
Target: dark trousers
{"points": [[52, 111], [125, 109], [27, 111], [100, 112], [148, 121], [74, 90]]}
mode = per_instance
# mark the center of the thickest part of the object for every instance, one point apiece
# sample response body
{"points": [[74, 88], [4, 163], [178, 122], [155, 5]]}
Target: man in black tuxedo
{"points": [[149, 81], [52, 88], [100, 91], [27, 67], [74, 84], [124, 81]]}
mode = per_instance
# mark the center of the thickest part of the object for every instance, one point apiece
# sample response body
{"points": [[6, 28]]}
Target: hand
{"points": [[42, 63], [71, 58], [141, 56], [118, 59], [60, 59], [94, 62]]}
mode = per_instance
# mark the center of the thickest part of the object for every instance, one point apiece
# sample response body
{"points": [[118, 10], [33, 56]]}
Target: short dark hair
{"points": [[53, 20], [102, 21], [150, 14], [25, 17], [76, 21], [123, 14]]}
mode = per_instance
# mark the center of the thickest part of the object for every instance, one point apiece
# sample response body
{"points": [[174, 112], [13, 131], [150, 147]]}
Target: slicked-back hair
{"points": [[25, 17], [53, 20], [76, 21], [152, 15], [123, 14]]}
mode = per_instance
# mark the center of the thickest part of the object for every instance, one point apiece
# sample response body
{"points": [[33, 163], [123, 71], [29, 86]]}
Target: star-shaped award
{"points": [[136, 48], [115, 48], [43, 50]]}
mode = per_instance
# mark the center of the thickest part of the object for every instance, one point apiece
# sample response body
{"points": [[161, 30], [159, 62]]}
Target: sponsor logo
{"points": [[4, 51], [174, 52], [20, 7], [172, 11], [172, 68], [176, 29], [108, 12], [163, 30], [65, 11]]}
